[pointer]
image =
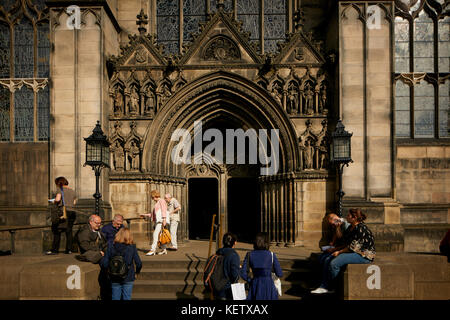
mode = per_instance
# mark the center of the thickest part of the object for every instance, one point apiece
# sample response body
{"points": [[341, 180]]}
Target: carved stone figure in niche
{"points": [[323, 98], [149, 103], [308, 155], [276, 92], [323, 159], [292, 100], [308, 94], [133, 156], [133, 103], [164, 94], [118, 103], [118, 156]]}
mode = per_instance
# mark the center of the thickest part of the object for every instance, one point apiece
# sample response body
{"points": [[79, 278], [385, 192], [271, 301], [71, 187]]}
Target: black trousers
{"points": [[57, 230]]}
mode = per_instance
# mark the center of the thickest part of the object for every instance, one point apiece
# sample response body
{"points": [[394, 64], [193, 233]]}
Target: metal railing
{"points": [[13, 230]]}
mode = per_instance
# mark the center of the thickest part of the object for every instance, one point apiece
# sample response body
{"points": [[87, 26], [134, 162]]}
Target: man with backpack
{"points": [[222, 269]]}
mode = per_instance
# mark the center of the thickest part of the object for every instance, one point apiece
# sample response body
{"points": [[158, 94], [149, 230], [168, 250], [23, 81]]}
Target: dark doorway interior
{"points": [[203, 203], [244, 208]]}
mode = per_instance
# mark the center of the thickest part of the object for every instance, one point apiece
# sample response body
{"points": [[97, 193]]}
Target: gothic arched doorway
{"points": [[221, 102]]}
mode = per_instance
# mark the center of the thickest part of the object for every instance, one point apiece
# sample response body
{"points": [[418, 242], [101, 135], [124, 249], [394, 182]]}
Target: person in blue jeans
{"points": [[359, 249], [338, 228], [124, 245]]}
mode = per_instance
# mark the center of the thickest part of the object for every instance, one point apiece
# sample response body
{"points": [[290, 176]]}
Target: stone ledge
{"points": [[48, 278], [402, 276]]}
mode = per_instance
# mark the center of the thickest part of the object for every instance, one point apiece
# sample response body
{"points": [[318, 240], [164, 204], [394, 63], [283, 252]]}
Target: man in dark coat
{"points": [[112, 228], [92, 241]]}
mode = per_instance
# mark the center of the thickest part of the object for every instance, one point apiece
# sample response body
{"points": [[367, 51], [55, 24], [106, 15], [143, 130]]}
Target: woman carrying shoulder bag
{"points": [[262, 262], [63, 216], [123, 245]]}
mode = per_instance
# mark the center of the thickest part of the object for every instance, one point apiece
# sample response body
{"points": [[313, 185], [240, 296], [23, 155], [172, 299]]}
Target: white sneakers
{"points": [[321, 291]]}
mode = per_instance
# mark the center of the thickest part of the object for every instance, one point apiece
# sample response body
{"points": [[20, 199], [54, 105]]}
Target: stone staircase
{"points": [[182, 279]]}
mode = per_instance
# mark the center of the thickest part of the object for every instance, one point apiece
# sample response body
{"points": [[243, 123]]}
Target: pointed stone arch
{"points": [[217, 93]]}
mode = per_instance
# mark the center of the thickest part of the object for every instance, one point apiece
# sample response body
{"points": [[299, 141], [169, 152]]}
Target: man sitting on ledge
{"points": [[92, 241]]}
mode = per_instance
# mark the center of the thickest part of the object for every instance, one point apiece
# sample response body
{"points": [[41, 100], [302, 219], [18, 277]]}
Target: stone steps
{"points": [[165, 278]]}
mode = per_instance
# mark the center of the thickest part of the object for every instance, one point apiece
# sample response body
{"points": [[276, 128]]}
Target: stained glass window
{"points": [[24, 58], [4, 114], [423, 43], [401, 45], [424, 110], [274, 24], [444, 45], [444, 109], [248, 12], [43, 114], [4, 51], [402, 113], [426, 29], [24, 114], [194, 11], [43, 50], [23, 49], [168, 25]]}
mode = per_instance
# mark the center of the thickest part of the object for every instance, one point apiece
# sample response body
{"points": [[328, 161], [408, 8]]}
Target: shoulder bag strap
{"points": [[62, 197]]}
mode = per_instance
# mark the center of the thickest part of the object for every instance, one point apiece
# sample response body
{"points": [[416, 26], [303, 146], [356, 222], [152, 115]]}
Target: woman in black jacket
{"points": [[123, 245]]}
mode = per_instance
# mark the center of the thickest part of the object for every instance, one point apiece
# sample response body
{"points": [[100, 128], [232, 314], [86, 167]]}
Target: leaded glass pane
{"points": [[444, 45], [4, 114], [248, 7], [5, 52], [23, 49], [43, 114], [402, 109], [424, 110], [415, 7], [194, 11], [168, 25], [275, 6], [250, 23], [23, 114], [43, 50], [274, 24], [401, 45], [7, 4], [190, 25], [167, 8], [444, 109], [423, 44], [248, 13], [194, 7]]}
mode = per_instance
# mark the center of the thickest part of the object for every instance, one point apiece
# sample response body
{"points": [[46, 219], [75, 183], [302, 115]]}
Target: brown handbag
{"points": [[164, 237]]}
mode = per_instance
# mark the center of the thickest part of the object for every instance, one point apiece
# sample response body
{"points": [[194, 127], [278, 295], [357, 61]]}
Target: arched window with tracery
{"points": [[422, 68], [24, 71]]}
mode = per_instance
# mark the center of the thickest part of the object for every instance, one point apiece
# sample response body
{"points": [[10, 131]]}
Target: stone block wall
{"points": [[423, 190]]}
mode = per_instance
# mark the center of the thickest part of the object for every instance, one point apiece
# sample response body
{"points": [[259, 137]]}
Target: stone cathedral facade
{"points": [[145, 68]]}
